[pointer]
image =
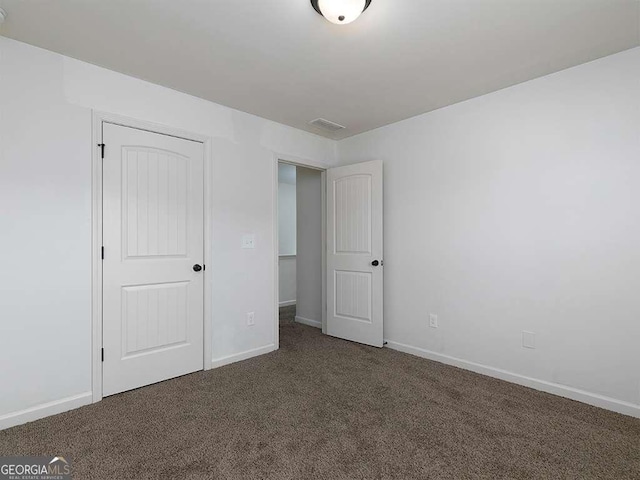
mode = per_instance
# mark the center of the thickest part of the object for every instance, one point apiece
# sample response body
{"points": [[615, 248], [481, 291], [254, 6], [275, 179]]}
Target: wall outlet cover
{"points": [[433, 320], [251, 319]]}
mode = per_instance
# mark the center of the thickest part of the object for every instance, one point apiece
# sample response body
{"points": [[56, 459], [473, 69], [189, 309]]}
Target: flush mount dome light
{"points": [[340, 12]]}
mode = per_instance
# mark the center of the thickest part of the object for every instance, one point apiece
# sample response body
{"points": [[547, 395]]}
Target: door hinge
{"points": [[101, 145], [103, 354], [204, 267], [102, 253]]}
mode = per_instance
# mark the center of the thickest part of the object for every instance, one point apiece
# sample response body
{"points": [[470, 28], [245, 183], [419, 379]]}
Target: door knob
{"points": [[375, 263], [197, 268]]}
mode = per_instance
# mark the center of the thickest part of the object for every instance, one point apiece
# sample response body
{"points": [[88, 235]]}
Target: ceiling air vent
{"points": [[327, 125]]}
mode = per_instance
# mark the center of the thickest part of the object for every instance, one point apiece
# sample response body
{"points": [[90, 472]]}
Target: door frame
{"points": [[96, 236], [322, 168]]}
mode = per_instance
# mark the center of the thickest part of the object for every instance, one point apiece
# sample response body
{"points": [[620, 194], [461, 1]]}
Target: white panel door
{"points": [[153, 229], [354, 253]]}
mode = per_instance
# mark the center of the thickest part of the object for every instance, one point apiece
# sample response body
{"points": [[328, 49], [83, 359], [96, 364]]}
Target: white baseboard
{"points": [[583, 396], [287, 303], [307, 321], [44, 410], [238, 357]]}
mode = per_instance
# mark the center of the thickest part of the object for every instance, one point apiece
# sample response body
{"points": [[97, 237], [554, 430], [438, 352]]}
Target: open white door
{"points": [[153, 286], [354, 253]]}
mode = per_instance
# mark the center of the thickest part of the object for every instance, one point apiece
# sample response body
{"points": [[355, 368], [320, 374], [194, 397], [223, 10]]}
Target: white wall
{"points": [[287, 209], [45, 233], [309, 258], [287, 279], [518, 211], [287, 233], [45, 204]]}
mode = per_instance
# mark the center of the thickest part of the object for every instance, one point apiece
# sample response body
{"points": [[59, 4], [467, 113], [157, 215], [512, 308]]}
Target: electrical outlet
{"points": [[528, 340], [251, 319], [433, 320]]}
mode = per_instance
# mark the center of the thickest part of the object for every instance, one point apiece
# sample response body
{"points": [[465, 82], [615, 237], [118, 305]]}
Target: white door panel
{"points": [[354, 244], [153, 236]]}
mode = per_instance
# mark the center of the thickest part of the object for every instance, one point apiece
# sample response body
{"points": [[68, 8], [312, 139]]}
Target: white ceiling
{"points": [[280, 60]]}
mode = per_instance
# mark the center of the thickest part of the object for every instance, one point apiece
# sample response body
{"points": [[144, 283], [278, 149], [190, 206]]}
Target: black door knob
{"points": [[375, 263], [197, 268]]}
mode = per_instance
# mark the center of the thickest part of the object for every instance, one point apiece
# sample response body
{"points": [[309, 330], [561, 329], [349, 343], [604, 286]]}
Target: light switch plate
{"points": [[528, 340], [249, 241]]}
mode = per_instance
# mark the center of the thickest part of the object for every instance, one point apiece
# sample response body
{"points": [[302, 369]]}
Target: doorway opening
{"points": [[338, 249], [300, 245]]}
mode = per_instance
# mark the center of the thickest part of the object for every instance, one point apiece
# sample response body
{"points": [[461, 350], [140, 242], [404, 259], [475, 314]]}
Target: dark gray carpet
{"points": [[325, 408], [287, 315]]}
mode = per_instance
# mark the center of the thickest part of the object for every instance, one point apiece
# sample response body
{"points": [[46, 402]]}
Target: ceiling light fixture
{"points": [[340, 12]]}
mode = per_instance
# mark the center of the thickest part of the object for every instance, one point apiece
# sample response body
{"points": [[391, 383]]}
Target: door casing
{"points": [[96, 237]]}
